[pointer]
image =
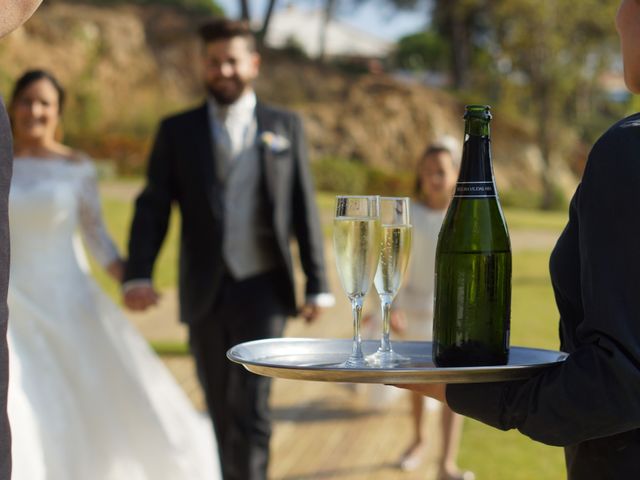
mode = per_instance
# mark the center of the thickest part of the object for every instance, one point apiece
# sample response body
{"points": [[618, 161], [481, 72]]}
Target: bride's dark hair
{"points": [[31, 76]]}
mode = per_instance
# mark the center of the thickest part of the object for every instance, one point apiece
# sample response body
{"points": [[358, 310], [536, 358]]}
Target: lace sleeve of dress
{"points": [[90, 219]]}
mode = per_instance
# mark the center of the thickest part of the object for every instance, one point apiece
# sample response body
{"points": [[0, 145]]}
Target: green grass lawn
{"points": [[492, 454], [521, 219], [497, 455]]}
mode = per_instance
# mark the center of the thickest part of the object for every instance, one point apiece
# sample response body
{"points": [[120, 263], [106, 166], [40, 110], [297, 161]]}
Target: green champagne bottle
{"points": [[473, 261]]}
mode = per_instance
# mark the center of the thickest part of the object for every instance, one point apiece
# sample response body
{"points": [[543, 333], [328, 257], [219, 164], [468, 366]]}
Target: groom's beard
{"points": [[227, 91]]}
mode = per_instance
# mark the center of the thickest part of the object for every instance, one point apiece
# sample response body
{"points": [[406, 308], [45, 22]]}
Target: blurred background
{"points": [[375, 81]]}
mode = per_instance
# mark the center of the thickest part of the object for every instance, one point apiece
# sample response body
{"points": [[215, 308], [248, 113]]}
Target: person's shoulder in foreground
{"points": [[613, 167], [15, 13], [624, 134]]}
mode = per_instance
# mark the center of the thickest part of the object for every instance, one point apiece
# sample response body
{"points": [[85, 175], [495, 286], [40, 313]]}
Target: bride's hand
{"points": [[116, 270]]}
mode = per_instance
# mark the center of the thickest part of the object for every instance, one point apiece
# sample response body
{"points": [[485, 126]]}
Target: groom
{"points": [[13, 14], [238, 171]]}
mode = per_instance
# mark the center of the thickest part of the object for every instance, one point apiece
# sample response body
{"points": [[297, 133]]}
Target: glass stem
{"points": [[385, 344], [356, 308]]}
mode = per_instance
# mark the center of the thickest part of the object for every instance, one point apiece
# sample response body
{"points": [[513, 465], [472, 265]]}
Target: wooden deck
{"points": [[321, 430], [330, 431]]}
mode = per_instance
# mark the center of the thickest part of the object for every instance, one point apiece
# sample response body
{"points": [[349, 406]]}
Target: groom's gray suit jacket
{"points": [[6, 163]]}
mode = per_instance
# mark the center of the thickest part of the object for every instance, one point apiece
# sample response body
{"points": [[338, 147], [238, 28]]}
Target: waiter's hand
{"points": [[310, 312], [437, 391]]}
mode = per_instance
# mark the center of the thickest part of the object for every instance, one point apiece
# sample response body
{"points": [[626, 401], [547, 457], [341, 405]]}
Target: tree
{"points": [[328, 14], [459, 21], [420, 51], [245, 14], [266, 21], [558, 47]]}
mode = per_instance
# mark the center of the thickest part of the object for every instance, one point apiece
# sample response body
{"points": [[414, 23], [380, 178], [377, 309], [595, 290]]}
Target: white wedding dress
{"points": [[88, 399]]}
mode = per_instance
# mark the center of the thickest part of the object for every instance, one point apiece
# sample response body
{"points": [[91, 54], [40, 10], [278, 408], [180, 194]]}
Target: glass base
{"points": [[386, 359], [354, 362]]}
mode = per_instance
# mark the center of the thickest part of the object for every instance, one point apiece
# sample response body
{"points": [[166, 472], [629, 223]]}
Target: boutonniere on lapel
{"points": [[274, 143]]}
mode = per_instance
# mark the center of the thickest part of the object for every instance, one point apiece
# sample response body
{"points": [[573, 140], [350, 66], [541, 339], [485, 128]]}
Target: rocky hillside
{"points": [[125, 67]]}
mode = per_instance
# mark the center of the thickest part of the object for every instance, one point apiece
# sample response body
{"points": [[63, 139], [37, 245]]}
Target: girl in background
{"points": [[412, 314]]}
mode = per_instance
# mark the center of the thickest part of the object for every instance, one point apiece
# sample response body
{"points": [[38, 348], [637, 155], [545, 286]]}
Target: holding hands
{"points": [[140, 297], [310, 311]]}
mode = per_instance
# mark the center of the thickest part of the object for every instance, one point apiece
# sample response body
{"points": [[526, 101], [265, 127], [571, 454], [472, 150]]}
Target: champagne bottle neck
{"points": [[476, 126], [476, 170]]}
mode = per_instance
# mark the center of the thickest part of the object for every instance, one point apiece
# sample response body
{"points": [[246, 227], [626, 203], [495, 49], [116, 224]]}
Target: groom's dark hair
{"points": [[226, 29]]}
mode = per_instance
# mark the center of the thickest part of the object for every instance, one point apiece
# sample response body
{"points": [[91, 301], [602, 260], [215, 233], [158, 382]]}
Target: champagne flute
{"points": [[394, 258], [356, 241]]}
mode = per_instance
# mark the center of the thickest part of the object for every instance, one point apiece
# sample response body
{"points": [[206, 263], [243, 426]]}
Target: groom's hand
{"points": [[140, 298], [310, 312]]}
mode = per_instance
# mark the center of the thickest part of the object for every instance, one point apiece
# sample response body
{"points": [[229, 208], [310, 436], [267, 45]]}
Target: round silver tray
{"points": [[319, 359]]}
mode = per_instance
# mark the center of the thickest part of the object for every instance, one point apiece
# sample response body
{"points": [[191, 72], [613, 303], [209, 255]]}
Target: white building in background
{"points": [[304, 27]]}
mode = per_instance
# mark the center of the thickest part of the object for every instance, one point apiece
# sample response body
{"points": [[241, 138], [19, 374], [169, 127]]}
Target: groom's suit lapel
{"points": [[267, 122], [204, 146]]}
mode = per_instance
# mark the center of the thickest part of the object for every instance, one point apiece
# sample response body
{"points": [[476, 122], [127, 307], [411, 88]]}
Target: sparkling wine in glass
{"points": [[392, 264], [356, 241]]}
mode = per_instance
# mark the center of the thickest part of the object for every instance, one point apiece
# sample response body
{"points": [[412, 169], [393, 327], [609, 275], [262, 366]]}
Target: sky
{"points": [[372, 17]]}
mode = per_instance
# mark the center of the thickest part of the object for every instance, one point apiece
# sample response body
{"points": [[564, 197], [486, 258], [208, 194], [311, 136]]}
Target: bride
{"points": [[87, 397]]}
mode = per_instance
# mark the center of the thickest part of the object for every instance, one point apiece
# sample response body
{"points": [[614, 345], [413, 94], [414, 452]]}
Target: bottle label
{"points": [[475, 190]]}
